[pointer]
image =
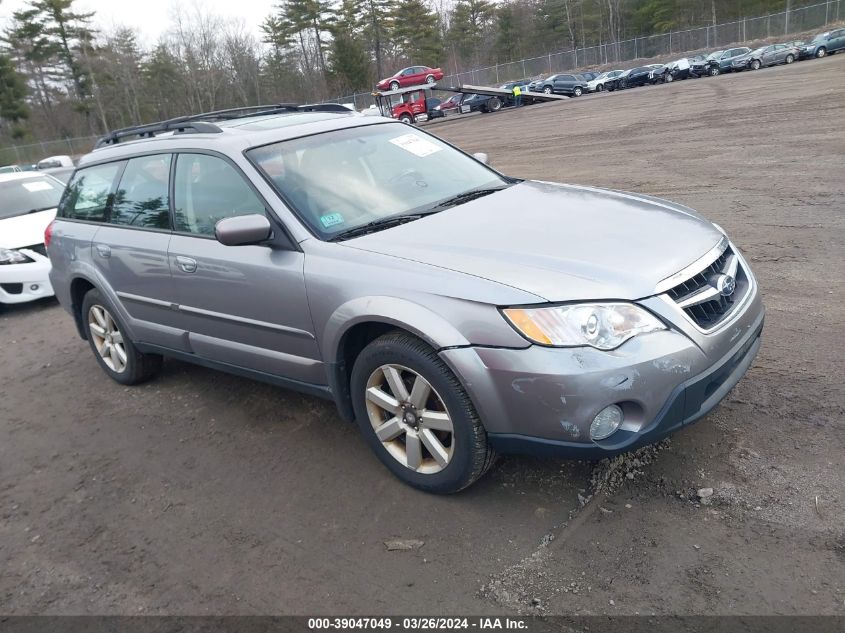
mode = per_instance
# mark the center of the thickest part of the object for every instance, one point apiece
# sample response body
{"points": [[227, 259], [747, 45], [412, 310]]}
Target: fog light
{"points": [[606, 422], [34, 287]]}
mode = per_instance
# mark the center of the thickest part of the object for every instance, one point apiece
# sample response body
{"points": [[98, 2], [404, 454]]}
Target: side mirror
{"points": [[243, 230], [481, 157]]}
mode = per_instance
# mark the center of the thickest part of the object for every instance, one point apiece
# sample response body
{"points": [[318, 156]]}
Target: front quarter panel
{"points": [[347, 286]]}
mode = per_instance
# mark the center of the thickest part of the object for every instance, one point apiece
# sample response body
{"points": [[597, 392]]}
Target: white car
{"points": [[597, 84], [55, 161], [28, 202]]}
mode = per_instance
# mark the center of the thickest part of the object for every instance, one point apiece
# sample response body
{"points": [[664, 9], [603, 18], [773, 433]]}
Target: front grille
{"points": [[700, 296]]}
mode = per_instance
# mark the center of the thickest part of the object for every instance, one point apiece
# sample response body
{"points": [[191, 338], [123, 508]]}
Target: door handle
{"points": [[104, 250], [187, 264]]}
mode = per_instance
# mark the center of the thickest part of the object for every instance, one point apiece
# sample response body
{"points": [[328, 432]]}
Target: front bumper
{"points": [[20, 283], [541, 400]]}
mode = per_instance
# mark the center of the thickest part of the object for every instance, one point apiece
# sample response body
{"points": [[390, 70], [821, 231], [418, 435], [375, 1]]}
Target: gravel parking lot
{"points": [[204, 493]]}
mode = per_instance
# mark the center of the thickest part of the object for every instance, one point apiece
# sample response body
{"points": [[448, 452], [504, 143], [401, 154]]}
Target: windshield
{"points": [[340, 180], [820, 38], [715, 55], [21, 196]]}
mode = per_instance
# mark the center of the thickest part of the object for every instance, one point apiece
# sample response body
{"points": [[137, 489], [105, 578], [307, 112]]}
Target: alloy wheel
{"points": [[107, 338], [410, 419]]}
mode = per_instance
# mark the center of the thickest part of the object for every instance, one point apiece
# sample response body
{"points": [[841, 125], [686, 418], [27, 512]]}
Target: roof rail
{"points": [[201, 123]]}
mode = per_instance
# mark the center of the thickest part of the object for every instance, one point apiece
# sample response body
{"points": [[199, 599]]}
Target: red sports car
{"points": [[411, 76]]}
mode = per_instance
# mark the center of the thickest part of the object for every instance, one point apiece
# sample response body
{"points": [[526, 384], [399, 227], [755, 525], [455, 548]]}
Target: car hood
{"points": [[25, 230], [558, 242]]}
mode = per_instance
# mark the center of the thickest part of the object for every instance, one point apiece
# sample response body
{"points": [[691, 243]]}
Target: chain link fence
{"points": [[32, 153], [673, 43]]}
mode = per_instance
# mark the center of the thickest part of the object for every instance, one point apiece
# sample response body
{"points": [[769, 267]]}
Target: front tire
{"points": [[494, 105], [394, 85], [429, 79], [547, 90], [112, 348], [600, 88], [416, 416], [668, 78], [821, 52], [789, 59], [714, 71], [407, 118], [577, 92]]}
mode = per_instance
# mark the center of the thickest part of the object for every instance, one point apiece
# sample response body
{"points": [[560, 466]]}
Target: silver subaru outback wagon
{"points": [[452, 312]]}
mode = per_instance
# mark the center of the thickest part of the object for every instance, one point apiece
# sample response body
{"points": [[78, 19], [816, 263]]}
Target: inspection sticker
{"points": [[37, 186], [415, 144], [332, 219]]}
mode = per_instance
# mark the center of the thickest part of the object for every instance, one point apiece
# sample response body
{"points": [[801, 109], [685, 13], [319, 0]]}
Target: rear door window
{"points": [[142, 199], [88, 194]]}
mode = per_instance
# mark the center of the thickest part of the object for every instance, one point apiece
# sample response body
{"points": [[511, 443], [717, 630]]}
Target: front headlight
{"points": [[604, 326], [8, 256]]}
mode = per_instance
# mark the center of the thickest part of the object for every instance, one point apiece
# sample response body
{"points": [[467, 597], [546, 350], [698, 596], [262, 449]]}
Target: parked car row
{"points": [[716, 63], [60, 167], [412, 106]]}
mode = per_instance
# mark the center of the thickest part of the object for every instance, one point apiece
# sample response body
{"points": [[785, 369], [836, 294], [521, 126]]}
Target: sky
{"points": [[152, 17]]}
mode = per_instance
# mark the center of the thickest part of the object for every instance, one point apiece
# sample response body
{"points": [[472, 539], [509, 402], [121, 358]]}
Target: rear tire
{"points": [[108, 339], [494, 105], [385, 395]]}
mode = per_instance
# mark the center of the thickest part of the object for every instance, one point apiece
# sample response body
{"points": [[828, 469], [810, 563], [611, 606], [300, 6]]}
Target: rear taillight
{"points": [[48, 234]]}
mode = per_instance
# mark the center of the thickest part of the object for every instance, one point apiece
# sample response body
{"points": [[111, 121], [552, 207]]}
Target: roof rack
{"points": [[201, 123]]}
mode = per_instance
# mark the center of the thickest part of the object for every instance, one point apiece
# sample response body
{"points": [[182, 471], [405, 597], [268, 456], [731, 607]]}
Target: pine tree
{"points": [[470, 20], [416, 33], [13, 107]]}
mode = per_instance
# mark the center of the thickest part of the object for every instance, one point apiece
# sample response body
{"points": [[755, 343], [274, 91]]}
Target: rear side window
{"points": [[88, 193], [208, 189], [142, 198]]}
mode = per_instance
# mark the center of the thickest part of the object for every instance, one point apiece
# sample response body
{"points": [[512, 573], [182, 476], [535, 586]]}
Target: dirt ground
{"points": [[203, 493]]}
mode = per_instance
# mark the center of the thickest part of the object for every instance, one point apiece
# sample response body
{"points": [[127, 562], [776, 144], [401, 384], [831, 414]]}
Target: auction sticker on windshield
{"points": [[37, 186], [415, 144]]}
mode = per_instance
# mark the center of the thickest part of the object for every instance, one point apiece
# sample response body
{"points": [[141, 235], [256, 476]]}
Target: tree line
{"points": [[61, 76]]}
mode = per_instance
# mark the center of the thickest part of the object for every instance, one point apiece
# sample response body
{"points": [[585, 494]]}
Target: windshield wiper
{"points": [[375, 225], [466, 196]]}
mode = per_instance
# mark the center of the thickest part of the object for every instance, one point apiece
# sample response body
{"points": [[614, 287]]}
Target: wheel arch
{"points": [[79, 287], [357, 323]]}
